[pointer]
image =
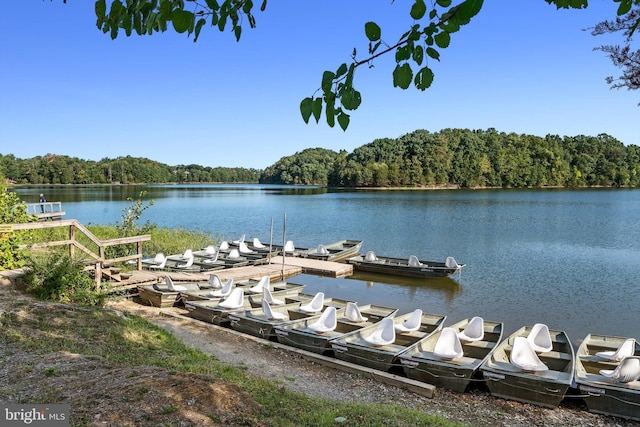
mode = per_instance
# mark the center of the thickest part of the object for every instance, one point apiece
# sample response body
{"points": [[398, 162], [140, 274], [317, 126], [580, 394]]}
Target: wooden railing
{"points": [[46, 210], [97, 260]]}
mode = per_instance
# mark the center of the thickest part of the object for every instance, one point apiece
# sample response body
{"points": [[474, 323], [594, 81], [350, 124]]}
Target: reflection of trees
{"points": [[446, 285]]}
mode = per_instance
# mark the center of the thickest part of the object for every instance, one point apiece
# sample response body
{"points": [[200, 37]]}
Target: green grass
{"points": [[132, 341]]}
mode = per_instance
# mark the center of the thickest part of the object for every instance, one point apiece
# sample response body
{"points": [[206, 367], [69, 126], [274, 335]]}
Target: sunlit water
{"points": [[568, 258]]}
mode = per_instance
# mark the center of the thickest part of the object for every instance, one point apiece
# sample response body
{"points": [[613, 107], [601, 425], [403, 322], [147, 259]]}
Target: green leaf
{"points": [[263, 6], [342, 69], [402, 76], [199, 26], [182, 20], [443, 3], [306, 109], [343, 120], [442, 39], [330, 109], [237, 30], [433, 53], [350, 99], [403, 53], [247, 6], [213, 4], [423, 78], [418, 9], [372, 30], [316, 109], [327, 81], [468, 10], [100, 8], [418, 54], [625, 7]]}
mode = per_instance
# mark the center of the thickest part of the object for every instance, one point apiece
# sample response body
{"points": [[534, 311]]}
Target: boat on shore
{"points": [[411, 267], [217, 311], [260, 322], [336, 252], [604, 391], [167, 294], [378, 346], [301, 334], [522, 369], [452, 360]]}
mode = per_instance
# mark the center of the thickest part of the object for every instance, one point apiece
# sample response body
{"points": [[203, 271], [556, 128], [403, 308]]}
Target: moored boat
{"points": [[299, 333], [166, 294], [313, 304], [378, 346], [603, 391], [217, 311], [410, 267], [336, 252], [530, 373], [260, 322], [452, 360]]}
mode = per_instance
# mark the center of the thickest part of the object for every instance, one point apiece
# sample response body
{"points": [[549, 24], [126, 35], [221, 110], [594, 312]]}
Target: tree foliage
{"points": [[468, 158], [60, 169], [431, 28], [12, 211]]}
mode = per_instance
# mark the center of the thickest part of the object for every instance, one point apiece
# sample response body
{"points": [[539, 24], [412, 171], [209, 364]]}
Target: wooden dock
{"points": [[46, 210]]}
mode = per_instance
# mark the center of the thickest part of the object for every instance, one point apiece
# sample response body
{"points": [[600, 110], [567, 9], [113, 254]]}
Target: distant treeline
{"points": [[57, 169], [466, 158]]}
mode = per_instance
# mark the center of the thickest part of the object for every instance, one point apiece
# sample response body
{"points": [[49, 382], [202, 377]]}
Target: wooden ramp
{"points": [[315, 266]]}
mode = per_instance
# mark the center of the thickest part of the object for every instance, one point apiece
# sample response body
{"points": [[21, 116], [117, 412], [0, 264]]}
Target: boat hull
{"points": [[400, 267], [209, 312], [542, 388], [337, 252], [601, 395]]}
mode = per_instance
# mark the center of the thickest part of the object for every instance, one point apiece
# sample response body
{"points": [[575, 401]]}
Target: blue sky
{"points": [[66, 88]]}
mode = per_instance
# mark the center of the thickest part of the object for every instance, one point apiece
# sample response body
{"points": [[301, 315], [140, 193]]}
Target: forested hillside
{"points": [[467, 158], [56, 169]]}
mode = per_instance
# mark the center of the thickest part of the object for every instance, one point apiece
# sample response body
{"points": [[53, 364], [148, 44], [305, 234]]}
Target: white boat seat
{"points": [[270, 314], [448, 345], [187, 254], [627, 370], [451, 262], [289, 246], [539, 338], [187, 264], [244, 249], [224, 291], [414, 261], [234, 254], [262, 284], [159, 261], [257, 243], [322, 250], [215, 282], [173, 287], [327, 321], [240, 240], [627, 348], [315, 305], [210, 250], [524, 357], [212, 258], [474, 331], [266, 295], [383, 334], [412, 323], [371, 256], [234, 300], [352, 313], [224, 246]]}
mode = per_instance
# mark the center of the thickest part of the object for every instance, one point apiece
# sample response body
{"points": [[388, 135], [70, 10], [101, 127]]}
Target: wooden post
{"points": [[139, 261], [72, 237], [98, 274]]}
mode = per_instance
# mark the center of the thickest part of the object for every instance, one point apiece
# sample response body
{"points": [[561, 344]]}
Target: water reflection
{"points": [[448, 286]]}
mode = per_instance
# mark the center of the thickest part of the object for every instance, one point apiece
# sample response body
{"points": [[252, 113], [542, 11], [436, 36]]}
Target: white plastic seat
{"points": [[414, 261], [187, 264], [411, 323], [352, 313], [270, 314], [627, 348], [234, 300], [224, 291], [267, 296], [159, 261], [210, 250], [383, 334], [322, 250], [257, 243], [327, 321], [474, 331], [215, 282], [212, 259], [315, 305], [627, 370], [187, 254], [173, 287], [289, 247], [451, 262], [260, 286], [539, 338], [244, 249], [240, 240], [234, 254], [524, 357], [224, 246], [371, 256], [448, 345]]}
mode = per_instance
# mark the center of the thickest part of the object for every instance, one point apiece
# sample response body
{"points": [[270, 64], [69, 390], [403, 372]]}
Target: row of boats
{"points": [[241, 252], [535, 364]]}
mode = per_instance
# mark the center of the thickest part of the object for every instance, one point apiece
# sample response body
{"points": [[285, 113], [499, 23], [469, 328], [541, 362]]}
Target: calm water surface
{"points": [[568, 258]]}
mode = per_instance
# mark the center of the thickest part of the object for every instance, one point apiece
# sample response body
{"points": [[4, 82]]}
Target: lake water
{"points": [[567, 258]]}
